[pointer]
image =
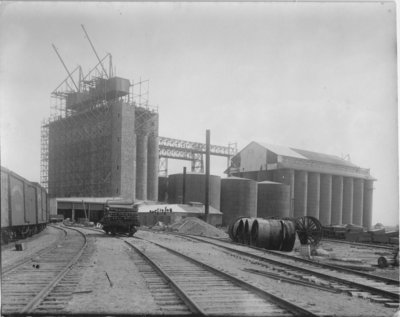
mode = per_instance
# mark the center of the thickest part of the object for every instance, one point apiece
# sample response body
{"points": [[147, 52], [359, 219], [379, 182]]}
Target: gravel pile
{"points": [[196, 226]]}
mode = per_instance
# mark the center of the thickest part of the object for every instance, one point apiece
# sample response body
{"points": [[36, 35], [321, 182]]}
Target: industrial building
{"points": [[100, 141], [327, 187]]}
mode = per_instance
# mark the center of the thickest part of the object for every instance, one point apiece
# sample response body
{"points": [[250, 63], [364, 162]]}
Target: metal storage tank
{"points": [[152, 168], [162, 188], [358, 201], [273, 199], [141, 166], [286, 176], [238, 199], [347, 212], [195, 189], [300, 193], [313, 195], [367, 205], [337, 200], [325, 201]]}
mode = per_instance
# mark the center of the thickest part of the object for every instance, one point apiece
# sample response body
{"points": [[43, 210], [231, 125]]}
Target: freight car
{"points": [[120, 217], [24, 207]]}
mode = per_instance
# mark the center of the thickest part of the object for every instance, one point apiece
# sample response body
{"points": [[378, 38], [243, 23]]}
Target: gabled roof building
{"points": [[330, 188]]}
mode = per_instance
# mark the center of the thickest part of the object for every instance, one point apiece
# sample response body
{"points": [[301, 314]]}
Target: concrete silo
{"points": [[325, 200]]}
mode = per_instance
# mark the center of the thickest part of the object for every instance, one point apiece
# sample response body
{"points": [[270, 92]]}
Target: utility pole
{"points": [[184, 186], [207, 198]]}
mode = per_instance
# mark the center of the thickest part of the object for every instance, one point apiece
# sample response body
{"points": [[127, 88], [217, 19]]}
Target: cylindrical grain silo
{"points": [[358, 201], [367, 205], [195, 189], [300, 193], [152, 167], [273, 200], [325, 201], [238, 198], [286, 176], [313, 195], [162, 188], [141, 167], [347, 212], [337, 200]]}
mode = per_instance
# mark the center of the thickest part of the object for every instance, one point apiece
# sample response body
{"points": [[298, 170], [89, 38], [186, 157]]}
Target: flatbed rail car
{"points": [[120, 217], [24, 207]]}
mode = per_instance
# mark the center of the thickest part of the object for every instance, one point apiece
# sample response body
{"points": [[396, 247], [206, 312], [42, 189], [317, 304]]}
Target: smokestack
{"points": [[207, 198], [184, 185]]}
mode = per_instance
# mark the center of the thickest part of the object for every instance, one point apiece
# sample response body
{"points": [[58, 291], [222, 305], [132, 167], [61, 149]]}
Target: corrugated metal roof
{"points": [[306, 155], [177, 208], [282, 150], [326, 158]]}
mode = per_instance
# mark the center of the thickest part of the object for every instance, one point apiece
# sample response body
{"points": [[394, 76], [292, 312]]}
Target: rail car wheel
{"points": [[309, 230]]}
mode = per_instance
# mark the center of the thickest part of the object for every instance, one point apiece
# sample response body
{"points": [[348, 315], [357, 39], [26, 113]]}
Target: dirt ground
{"points": [[111, 283], [318, 301], [33, 244]]}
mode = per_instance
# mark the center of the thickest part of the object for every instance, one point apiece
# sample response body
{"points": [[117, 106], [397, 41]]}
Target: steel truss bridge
{"points": [[190, 151]]}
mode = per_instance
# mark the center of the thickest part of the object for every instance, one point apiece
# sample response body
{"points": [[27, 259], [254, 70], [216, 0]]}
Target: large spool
{"points": [[247, 230], [270, 234]]}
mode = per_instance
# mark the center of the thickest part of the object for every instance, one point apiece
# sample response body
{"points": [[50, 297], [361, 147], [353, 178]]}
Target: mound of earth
{"points": [[196, 226]]}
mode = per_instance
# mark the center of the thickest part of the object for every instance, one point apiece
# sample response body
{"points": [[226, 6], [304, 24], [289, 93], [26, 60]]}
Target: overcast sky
{"points": [[315, 76]]}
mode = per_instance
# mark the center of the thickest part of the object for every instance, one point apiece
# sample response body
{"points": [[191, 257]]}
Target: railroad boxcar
{"points": [[24, 206]]}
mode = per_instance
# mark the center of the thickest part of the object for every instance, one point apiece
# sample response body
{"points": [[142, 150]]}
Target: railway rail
{"points": [[361, 244], [204, 289], [11, 265], [41, 284], [376, 288]]}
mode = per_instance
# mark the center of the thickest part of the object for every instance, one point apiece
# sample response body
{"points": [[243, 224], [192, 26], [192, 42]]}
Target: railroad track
{"points": [[361, 244], [42, 284], [8, 266], [184, 285], [371, 287]]}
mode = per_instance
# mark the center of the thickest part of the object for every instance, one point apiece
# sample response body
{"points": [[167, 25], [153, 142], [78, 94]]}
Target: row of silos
{"points": [[234, 196], [147, 154], [331, 199]]}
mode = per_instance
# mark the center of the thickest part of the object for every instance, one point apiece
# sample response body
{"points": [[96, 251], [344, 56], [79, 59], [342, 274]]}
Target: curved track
{"points": [[8, 266], [208, 291], [31, 286], [375, 288]]}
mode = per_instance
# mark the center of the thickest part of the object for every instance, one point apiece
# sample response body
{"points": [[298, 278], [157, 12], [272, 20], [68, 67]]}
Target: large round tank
{"points": [[152, 167], [358, 201], [367, 204], [194, 189], [347, 211], [162, 188], [325, 202], [141, 167], [238, 198], [273, 200], [337, 200]]}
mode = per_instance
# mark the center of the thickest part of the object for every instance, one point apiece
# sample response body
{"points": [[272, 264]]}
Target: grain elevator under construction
{"points": [[102, 140]]}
